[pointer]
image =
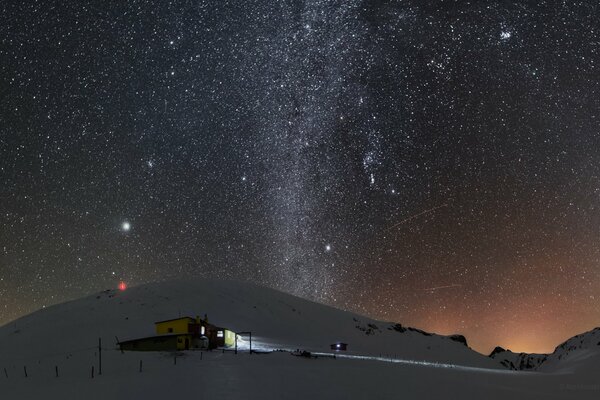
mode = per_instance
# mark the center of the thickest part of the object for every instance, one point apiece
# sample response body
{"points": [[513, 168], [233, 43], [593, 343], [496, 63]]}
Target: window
{"points": [[219, 333], [170, 330], [202, 330]]}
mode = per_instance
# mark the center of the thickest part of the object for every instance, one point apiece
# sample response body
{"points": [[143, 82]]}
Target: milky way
{"points": [[432, 163]]}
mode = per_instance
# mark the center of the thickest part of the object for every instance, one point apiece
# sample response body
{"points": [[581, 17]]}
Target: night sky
{"points": [[432, 163]]}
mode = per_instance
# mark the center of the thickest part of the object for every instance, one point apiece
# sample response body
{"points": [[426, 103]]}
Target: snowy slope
{"points": [[52, 354], [277, 320], [579, 353]]}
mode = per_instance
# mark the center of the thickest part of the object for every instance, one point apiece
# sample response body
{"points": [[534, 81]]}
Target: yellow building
{"points": [[183, 333], [177, 325], [196, 327]]}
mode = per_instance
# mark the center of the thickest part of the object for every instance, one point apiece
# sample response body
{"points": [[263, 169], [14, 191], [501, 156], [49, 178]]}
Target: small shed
{"points": [[339, 346]]}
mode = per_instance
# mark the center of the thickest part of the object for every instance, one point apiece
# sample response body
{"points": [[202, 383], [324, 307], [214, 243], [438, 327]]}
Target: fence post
{"points": [[25, 370], [140, 365], [6, 373], [56, 369], [175, 360], [99, 356], [92, 372]]}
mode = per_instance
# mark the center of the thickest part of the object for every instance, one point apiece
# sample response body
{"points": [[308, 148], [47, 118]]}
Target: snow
{"points": [[382, 364]]}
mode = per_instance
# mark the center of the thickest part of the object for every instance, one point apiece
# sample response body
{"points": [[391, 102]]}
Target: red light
{"points": [[122, 285]]}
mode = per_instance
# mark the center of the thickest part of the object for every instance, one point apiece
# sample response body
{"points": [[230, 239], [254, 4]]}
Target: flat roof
{"points": [[175, 319], [155, 337]]}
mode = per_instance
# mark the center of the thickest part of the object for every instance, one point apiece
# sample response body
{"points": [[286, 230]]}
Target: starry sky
{"points": [[435, 163]]}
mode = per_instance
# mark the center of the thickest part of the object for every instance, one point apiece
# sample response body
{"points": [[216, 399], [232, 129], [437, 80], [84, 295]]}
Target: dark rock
{"points": [[420, 331], [459, 339], [398, 328], [497, 350]]}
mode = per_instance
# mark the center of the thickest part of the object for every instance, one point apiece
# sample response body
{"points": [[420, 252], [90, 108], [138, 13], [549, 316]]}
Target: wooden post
{"points": [[92, 372], [140, 365], [6, 373], [200, 356], [175, 360], [25, 370], [99, 356], [56, 369]]}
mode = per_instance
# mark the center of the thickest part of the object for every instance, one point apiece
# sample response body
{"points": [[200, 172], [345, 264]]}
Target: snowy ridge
{"points": [[517, 361], [579, 352]]}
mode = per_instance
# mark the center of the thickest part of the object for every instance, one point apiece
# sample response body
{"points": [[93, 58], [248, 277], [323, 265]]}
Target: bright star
{"points": [[328, 247], [126, 226]]}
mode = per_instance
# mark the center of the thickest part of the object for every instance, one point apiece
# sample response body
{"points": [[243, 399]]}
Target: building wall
{"points": [[176, 326], [229, 338], [163, 343], [181, 342]]}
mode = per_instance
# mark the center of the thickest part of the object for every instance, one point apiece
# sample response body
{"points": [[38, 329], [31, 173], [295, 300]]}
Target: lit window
{"points": [[202, 330], [219, 333]]}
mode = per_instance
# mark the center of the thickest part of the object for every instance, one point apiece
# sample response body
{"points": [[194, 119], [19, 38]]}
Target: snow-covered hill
{"points": [[276, 320], [53, 353]]}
